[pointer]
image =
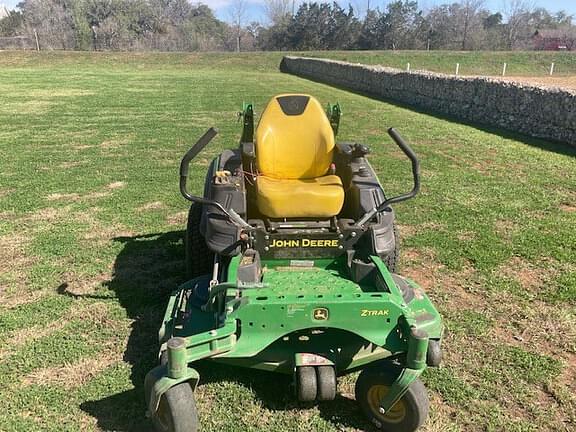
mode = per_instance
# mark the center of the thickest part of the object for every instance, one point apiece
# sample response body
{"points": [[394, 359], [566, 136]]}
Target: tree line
{"points": [[178, 25]]}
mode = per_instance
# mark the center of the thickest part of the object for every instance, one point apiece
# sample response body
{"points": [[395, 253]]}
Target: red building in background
{"points": [[555, 40]]}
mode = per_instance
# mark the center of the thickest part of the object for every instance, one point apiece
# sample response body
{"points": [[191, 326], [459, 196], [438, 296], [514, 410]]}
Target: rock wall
{"points": [[540, 112]]}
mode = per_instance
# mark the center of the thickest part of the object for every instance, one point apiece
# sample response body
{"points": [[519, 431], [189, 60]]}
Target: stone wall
{"points": [[541, 112]]}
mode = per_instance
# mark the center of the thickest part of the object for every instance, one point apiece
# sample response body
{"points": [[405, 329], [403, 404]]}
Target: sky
{"points": [[255, 9]]}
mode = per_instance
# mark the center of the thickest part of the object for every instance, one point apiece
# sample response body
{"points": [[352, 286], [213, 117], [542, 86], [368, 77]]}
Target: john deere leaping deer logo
{"points": [[321, 314]]}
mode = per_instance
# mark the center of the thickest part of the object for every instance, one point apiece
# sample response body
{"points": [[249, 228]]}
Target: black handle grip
{"points": [[197, 148], [415, 173], [413, 159], [184, 165]]}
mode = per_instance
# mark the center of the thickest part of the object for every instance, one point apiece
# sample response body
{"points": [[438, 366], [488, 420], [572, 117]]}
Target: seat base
{"points": [[320, 197]]}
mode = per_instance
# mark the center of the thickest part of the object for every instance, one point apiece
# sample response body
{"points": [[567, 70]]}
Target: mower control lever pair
{"points": [[185, 164], [238, 221], [415, 172]]}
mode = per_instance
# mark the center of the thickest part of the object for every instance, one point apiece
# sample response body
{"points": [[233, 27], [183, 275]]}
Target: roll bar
{"points": [[415, 173]]}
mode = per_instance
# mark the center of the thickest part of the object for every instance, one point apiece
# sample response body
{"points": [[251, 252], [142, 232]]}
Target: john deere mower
{"points": [[291, 254]]}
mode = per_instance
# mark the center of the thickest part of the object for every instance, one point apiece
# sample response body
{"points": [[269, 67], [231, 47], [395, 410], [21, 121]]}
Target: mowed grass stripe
{"points": [[90, 146]]}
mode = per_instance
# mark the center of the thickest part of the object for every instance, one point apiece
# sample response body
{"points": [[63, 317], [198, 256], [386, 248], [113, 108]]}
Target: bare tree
{"points": [[53, 20], [276, 10], [238, 14], [518, 14], [470, 10]]}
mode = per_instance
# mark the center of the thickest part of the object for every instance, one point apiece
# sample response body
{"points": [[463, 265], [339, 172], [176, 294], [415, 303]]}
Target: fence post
{"points": [[457, 68], [552, 69], [504, 69], [37, 42]]}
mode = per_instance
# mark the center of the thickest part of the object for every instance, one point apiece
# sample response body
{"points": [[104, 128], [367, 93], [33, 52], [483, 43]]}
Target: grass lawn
{"points": [[91, 227], [519, 63]]}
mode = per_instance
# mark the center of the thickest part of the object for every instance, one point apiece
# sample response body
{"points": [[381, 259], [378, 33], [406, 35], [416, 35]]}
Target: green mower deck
{"points": [[276, 326]]}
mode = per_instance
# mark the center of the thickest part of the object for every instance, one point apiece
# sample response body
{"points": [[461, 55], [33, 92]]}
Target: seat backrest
{"points": [[294, 139]]}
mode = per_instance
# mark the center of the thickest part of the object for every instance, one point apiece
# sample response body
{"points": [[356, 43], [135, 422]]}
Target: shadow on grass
{"points": [[146, 270], [548, 145], [276, 392]]}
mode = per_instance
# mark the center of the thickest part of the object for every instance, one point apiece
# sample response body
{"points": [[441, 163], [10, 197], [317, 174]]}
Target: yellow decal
{"points": [[311, 243], [370, 313]]}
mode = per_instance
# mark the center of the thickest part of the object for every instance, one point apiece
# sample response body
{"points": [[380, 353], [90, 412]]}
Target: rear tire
{"points": [[177, 410], [407, 415], [199, 259]]}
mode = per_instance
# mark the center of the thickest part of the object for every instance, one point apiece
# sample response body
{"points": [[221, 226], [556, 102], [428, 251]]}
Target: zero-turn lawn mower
{"points": [[291, 254]]}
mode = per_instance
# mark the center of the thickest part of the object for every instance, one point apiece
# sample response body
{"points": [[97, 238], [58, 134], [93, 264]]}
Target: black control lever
{"points": [[415, 173], [184, 166], [359, 151]]}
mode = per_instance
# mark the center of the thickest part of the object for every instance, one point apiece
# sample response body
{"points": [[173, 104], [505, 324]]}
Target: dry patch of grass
{"points": [[95, 312], [117, 142], [151, 206], [73, 375], [31, 107], [178, 219], [100, 233], [80, 285], [53, 93], [504, 229], [116, 185], [63, 196], [71, 164], [58, 196], [525, 273], [6, 192], [21, 337], [13, 264], [441, 417], [96, 195], [407, 231], [82, 146], [47, 215]]}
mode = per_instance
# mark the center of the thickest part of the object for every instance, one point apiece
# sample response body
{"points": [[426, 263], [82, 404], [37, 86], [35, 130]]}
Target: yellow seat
{"points": [[294, 149]]}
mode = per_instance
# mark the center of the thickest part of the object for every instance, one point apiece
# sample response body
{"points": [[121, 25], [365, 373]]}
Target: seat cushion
{"points": [[320, 197], [294, 139]]}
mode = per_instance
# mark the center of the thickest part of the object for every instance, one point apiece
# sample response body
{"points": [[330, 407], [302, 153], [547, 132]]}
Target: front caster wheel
{"points": [[306, 384], [326, 376], [407, 415], [177, 410]]}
